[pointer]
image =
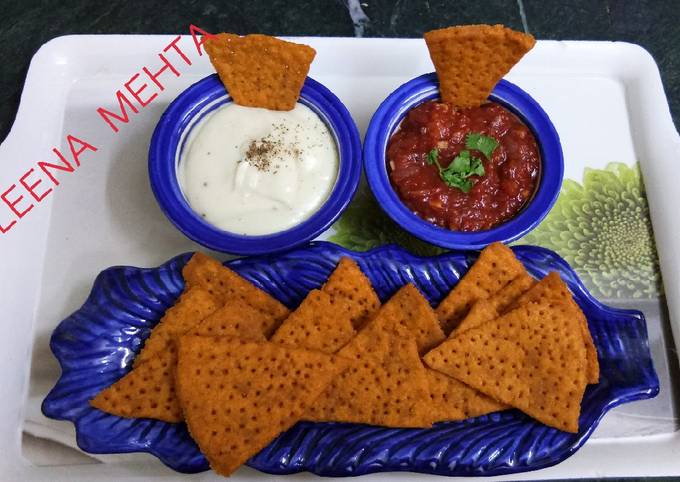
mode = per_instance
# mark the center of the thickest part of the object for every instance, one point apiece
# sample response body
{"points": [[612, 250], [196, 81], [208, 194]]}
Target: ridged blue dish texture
{"points": [[97, 344], [385, 122], [185, 113]]}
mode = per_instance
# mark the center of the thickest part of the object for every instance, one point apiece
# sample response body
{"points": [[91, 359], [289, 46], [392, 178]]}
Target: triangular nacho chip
{"points": [[410, 308], [351, 291], [386, 383], [496, 304], [226, 285], [259, 70], [193, 305], [316, 325], [148, 391], [495, 268], [552, 287], [238, 396], [532, 358], [471, 59]]}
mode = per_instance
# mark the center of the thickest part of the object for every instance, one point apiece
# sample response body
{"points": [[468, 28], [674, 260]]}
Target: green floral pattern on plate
{"points": [[602, 228]]}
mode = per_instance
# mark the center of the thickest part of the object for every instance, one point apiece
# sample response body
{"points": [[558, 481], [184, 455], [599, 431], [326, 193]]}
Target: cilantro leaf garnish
{"points": [[479, 142], [460, 163], [456, 174], [458, 181], [433, 157], [477, 168]]}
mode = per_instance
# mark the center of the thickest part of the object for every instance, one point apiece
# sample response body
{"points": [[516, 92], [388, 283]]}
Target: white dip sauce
{"points": [[256, 171]]}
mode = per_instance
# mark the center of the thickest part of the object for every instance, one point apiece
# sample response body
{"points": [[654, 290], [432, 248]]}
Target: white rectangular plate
{"points": [[605, 99]]}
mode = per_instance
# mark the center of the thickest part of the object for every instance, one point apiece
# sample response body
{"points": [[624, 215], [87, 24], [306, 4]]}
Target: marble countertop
{"points": [[654, 24]]}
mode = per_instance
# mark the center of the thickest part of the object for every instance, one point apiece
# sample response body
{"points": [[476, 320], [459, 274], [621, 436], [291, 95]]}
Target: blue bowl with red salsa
{"points": [[463, 178]]}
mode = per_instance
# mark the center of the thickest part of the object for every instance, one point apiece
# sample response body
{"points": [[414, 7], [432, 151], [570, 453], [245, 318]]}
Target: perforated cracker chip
{"points": [[316, 325], [148, 391], [238, 396], [386, 383], [496, 267], [410, 308], [452, 400], [226, 285], [352, 292], [497, 304], [471, 59], [259, 70], [552, 287], [192, 306], [532, 358]]}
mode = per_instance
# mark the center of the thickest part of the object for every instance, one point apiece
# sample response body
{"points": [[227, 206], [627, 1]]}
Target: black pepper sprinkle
{"points": [[205, 184], [262, 153]]}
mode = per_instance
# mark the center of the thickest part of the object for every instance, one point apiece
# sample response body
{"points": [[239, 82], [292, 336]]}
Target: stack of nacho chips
{"points": [[521, 342], [239, 368], [208, 362]]}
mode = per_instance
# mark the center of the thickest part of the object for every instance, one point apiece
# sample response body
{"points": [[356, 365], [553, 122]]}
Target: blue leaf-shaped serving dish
{"points": [[96, 345]]}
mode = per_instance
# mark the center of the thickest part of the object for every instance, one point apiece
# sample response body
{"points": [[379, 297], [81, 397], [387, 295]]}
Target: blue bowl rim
{"points": [[166, 139], [426, 87]]}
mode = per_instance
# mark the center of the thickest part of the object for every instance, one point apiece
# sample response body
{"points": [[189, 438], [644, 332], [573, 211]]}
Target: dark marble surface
{"points": [[654, 24]]}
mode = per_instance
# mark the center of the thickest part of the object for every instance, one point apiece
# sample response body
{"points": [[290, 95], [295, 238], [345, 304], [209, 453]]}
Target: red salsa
{"points": [[509, 178]]}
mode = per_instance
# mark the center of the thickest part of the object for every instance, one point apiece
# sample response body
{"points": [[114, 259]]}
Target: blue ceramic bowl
{"points": [[186, 112], [385, 122]]}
